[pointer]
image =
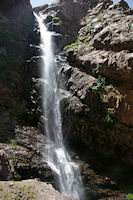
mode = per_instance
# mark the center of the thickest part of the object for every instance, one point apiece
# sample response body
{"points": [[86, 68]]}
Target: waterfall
{"points": [[67, 172]]}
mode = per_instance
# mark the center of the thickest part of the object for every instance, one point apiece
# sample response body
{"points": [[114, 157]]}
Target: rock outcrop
{"points": [[17, 106], [63, 17], [96, 71], [16, 22], [22, 157], [100, 81], [29, 189]]}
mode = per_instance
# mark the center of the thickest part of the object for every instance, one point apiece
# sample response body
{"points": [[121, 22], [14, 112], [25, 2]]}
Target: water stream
{"points": [[67, 172]]}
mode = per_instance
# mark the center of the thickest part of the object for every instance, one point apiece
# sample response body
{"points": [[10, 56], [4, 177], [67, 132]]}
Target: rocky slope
{"points": [[29, 189]]}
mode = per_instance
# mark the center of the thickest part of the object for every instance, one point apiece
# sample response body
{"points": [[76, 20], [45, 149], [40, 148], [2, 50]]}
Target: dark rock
{"points": [[24, 152], [6, 167]]}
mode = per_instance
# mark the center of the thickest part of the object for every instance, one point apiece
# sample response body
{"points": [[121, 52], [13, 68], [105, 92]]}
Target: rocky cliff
{"points": [[100, 81], [96, 75], [18, 110], [99, 75], [96, 94]]}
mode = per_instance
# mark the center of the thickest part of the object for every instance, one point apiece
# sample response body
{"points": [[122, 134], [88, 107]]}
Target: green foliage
{"points": [[101, 84], [1, 189], [27, 192], [74, 45], [57, 20], [20, 192], [108, 117], [17, 177], [7, 35], [24, 161], [82, 38], [129, 196], [13, 143], [99, 90]]}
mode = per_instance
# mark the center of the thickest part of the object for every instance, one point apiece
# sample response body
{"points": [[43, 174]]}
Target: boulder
{"points": [[6, 167], [30, 189]]}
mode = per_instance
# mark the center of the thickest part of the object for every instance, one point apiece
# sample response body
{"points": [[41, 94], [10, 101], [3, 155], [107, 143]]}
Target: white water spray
{"points": [[67, 172]]}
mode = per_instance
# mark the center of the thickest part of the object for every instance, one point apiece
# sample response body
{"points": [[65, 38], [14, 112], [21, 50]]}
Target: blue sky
{"points": [[36, 3], [130, 2]]}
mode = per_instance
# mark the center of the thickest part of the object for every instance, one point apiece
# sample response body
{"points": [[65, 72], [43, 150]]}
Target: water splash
{"points": [[67, 172]]}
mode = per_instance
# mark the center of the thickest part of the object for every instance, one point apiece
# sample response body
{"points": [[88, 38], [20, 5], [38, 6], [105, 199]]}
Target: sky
{"points": [[36, 3]]}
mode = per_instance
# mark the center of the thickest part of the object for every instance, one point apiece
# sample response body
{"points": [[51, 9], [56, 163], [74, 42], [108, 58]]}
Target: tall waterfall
{"points": [[59, 160]]}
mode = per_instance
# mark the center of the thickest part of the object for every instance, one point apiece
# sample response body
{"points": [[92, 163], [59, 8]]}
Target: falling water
{"points": [[67, 172]]}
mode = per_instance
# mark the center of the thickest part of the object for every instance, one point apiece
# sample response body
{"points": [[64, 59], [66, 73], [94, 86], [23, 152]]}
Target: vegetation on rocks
{"points": [[57, 20], [129, 197], [75, 44]]}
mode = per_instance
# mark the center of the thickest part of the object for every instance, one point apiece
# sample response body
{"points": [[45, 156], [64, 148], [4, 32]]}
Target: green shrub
{"points": [[13, 143], [101, 84], [74, 45], [83, 37], [100, 90], [57, 20], [17, 177], [129, 196]]}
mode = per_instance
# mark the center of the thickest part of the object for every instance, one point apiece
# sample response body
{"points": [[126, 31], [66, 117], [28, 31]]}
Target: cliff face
{"points": [[16, 10], [64, 17], [99, 77], [96, 72], [101, 81], [16, 72], [16, 23]]}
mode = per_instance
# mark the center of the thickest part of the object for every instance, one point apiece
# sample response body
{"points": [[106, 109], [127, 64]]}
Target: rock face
{"points": [[17, 106], [16, 22], [22, 157], [6, 170], [100, 108], [64, 17]]}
